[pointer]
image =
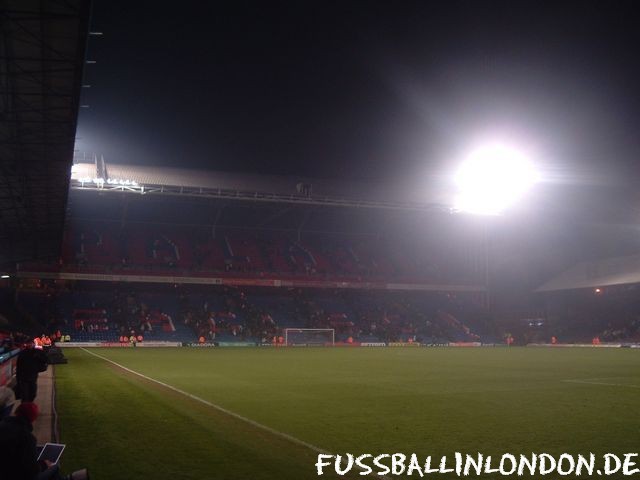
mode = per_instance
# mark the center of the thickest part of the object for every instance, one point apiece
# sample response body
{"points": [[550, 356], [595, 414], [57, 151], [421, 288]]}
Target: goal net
{"points": [[309, 337]]}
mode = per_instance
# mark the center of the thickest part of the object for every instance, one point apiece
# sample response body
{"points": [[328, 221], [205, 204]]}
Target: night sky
{"points": [[364, 89]]}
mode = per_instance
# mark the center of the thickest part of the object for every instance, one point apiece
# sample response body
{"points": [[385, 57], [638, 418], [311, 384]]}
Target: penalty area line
{"points": [[590, 382], [237, 416]]}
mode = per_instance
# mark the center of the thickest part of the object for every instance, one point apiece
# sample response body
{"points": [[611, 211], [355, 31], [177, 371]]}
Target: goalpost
{"points": [[309, 337]]}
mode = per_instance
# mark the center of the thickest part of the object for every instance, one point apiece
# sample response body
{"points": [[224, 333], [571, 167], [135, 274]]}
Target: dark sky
{"points": [[364, 89]]}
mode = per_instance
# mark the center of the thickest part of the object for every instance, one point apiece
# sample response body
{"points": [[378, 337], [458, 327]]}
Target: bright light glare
{"points": [[4, 276], [492, 178]]}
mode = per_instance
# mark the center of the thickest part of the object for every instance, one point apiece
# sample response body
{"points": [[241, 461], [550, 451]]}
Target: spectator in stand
{"points": [[18, 454], [31, 361]]}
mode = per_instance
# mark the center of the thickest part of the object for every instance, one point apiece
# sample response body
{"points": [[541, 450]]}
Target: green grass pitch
{"points": [[378, 400]]}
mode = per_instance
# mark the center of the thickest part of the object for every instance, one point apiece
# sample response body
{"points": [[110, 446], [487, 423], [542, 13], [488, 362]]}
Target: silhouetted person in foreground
{"points": [[18, 454], [31, 361], [18, 457]]}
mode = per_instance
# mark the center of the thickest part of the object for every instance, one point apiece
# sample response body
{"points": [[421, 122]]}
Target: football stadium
{"points": [[186, 320]]}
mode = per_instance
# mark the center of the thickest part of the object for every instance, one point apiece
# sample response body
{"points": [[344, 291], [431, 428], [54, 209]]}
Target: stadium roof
{"points": [[41, 63], [98, 175], [600, 273]]}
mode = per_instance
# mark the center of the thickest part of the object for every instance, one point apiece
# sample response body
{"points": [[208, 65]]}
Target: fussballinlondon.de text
{"points": [[463, 465]]}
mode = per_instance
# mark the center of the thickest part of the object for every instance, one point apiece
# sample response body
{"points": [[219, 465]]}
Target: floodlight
{"points": [[492, 178], [4, 276]]}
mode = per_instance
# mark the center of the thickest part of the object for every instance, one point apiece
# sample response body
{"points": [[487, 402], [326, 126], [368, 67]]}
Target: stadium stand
{"points": [[184, 314], [241, 270], [183, 250], [133, 222], [249, 260]]}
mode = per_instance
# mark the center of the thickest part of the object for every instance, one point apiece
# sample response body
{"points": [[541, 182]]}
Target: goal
{"points": [[309, 337]]}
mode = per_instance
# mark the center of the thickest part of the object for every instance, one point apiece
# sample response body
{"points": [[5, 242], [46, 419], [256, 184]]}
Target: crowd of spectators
{"points": [[385, 316], [625, 331], [236, 318], [215, 313], [379, 316]]}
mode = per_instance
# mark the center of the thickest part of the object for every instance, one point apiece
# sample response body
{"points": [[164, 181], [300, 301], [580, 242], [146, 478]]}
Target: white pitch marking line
{"points": [[589, 382], [212, 405], [277, 433]]}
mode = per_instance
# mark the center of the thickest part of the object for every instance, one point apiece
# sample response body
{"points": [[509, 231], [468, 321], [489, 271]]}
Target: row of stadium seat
{"points": [[97, 246]]}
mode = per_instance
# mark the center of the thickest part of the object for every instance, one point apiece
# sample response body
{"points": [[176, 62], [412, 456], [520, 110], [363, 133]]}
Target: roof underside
{"points": [[42, 49], [601, 273]]}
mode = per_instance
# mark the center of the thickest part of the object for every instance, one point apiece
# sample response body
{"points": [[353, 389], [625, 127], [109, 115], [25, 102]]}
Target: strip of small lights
{"points": [[109, 181]]}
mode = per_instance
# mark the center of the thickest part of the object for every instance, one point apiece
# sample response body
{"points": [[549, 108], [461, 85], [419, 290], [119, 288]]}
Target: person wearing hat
{"points": [[18, 454]]}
